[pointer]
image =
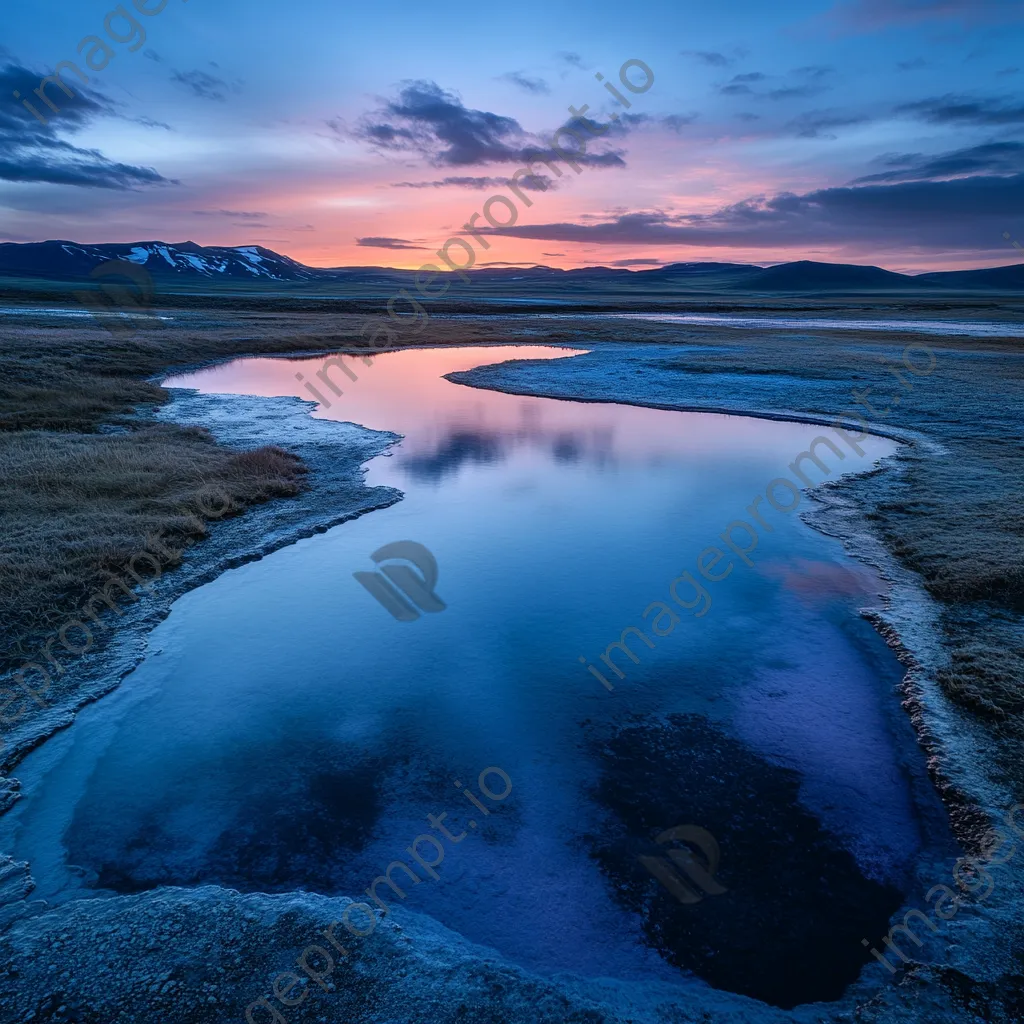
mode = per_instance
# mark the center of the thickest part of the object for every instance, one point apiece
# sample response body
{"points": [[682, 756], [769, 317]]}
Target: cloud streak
{"points": [[537, 86], [529, 182], [821, 124], [992, 158], [233, 214], [712, 58], [872, 14], [380, 242], [203, 85], [809, 81], [965, 110]]}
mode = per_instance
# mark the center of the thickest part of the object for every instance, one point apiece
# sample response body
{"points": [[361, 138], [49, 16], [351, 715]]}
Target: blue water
{"points": [[286, 732]]}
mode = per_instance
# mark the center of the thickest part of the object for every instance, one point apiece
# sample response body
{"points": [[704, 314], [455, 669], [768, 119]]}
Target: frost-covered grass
{"points": [[85, 473]]}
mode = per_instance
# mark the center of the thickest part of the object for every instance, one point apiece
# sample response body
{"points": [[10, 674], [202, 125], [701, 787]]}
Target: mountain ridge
{"points": [[63, 259]]}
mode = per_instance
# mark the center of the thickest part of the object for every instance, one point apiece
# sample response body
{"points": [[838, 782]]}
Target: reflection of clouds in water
{"points": [[459, 448], [566, 448], [464, 445]]}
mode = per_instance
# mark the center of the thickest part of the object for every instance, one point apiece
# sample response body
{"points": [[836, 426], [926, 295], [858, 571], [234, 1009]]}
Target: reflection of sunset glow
{"points": [[816, 580], [405, 392]]}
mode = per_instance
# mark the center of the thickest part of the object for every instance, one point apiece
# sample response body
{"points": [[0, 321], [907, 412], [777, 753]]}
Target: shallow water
{"points": [[62, 313], [897, 325], [286, 732]]}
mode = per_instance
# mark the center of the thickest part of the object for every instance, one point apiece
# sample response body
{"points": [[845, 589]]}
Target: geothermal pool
{"points": [[286, 731]]}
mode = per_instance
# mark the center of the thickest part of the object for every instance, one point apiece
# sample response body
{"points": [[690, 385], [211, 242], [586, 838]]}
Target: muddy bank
{"points": [[203, 956]]}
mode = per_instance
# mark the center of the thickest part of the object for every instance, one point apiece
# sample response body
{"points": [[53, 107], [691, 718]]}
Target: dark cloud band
{"points": [[962, 214], [35, 152]]}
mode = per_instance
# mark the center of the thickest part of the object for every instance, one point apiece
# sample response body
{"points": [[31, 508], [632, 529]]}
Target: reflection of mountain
{"points": [[467, 445]]}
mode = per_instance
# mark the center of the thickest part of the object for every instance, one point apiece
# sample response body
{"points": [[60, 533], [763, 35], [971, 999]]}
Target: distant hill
{"points": [[1000, 279], [64, 260], [704, 270], [187, 262], [808, 276], [702, 275]]}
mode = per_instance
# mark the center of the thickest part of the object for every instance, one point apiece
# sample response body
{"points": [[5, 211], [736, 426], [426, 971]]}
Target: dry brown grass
{"points": [[84, 479], [75, 508], [41, 396]]}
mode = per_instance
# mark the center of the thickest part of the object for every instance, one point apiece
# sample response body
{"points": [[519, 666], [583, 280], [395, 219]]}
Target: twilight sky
{"points": [[869, 131]]}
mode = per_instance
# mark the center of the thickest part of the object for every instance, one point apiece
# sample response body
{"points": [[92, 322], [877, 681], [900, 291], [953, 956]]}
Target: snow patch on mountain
{"points": [[185, 259]]}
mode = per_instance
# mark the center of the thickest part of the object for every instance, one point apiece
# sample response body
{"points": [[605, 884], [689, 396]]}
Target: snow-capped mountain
{"points": [[186, 261], [70, 260]]}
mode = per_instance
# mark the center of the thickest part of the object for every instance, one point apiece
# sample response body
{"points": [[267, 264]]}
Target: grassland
{"points": [[76, 508], [86, 475]]}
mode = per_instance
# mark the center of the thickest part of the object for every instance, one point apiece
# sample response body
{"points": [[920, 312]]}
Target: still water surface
{"points": [[286, 732]]}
